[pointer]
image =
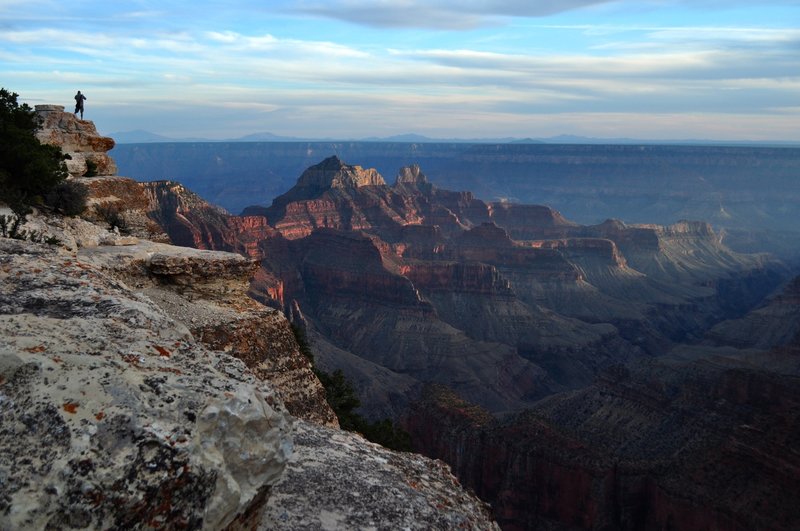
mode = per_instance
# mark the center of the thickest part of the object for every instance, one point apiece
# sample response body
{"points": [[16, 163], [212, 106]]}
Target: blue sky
{"points": [[652, 69]]}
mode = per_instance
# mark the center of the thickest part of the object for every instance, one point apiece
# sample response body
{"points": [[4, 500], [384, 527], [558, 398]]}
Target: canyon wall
{"points": [[141, 387]]}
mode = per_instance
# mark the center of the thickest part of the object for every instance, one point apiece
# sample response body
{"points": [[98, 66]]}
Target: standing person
{"points": [[79, 98]]}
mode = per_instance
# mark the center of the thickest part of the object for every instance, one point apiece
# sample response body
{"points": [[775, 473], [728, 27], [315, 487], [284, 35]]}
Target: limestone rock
{"points": [[359, 485], [72, 233], [113, 415], [77, 138], [124, 204], [206, 291]]}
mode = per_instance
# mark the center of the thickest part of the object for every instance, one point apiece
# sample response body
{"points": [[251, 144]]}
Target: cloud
{"points": [[447, 14], [241, 67]]}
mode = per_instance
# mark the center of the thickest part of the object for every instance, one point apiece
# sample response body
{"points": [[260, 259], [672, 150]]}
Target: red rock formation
{"points": [[335, 195], [472, 277], [192, 222], [342, 264], [462, 267]]}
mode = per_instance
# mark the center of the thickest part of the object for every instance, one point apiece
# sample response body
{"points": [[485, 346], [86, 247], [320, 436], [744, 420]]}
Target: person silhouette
{"points": [[79, 98]]}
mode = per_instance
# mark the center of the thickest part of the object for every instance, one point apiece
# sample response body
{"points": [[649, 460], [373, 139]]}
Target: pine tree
{"points": [[29, 170]]}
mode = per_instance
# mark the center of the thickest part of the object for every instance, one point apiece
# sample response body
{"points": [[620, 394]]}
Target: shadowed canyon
{"points": [[602, 376], [572, 373]]}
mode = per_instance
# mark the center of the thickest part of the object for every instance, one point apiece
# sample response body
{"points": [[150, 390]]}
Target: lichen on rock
{"points": [[356, 484], [113, 415]]}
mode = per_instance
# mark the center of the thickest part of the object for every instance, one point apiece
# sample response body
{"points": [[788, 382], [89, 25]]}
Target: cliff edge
{"points": [[140, 388]]}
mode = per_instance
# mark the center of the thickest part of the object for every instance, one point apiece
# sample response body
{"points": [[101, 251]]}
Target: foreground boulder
{"points": [[359, 485], [113, 415]]}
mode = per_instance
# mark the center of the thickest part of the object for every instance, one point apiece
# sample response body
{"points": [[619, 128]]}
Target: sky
{"points": [[350, 69]]}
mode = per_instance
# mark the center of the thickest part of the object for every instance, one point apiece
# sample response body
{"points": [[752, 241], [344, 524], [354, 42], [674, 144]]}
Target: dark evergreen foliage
{"points": [[29, 170], [91, 169], [68, 198], [109, 212]]}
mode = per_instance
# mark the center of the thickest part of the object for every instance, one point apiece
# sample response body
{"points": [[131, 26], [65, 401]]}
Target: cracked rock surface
{"points": [[356, 484], [112, 415]]}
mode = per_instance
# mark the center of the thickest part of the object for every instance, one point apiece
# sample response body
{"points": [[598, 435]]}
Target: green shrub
{"points": [[68, 198], [28, 168], [91, 168], [109, 212], [302, 341], [342, 398]]}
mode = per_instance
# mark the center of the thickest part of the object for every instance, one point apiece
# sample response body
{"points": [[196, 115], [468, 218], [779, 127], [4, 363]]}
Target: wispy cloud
{"points": [[226, 69], [446, 14]]}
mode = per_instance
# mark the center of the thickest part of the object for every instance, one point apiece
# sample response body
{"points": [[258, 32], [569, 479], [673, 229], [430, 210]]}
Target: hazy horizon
{"points": [[356, 69]]}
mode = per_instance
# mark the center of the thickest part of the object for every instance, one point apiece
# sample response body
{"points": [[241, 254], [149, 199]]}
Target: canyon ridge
{"points": [[593, 376], [603, 375]]}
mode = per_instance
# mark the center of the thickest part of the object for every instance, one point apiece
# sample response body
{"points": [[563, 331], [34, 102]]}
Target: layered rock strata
{"points": [[697, 446], [78, 139], [365, 261]]}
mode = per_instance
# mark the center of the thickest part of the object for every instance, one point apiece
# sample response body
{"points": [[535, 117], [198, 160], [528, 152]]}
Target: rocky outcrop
{"points": [[263, 339], [78, 139], [207, 292], [406, 491], [114, 415], [333, 173], [411, 178], [335, 195], [122, 204], [167, 212], [530, 222]]}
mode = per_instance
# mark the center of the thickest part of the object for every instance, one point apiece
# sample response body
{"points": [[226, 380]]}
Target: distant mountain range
{"points": [[140, 136]]}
